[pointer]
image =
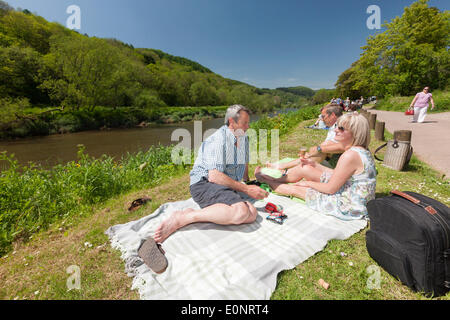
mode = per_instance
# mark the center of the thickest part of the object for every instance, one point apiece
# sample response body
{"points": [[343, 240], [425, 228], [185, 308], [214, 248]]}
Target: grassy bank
{"points": [[33, 198], [41, 122], [37, 269], [397, 103], [344, 264]]}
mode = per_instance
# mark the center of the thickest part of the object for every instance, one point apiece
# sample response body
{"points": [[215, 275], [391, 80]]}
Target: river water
{"points": [[51, 150]]}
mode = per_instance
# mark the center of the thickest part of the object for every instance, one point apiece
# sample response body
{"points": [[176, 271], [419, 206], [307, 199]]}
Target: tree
{"points": [[411, 53], [82, 72], [322, 96], [19, 71]]}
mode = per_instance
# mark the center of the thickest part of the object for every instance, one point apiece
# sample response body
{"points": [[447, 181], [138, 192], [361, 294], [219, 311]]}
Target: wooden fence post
{"points": [[379, 131], [403, 135], [372, 120]]}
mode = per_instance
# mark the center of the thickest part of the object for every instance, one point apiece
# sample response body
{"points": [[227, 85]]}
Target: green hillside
{"points": [[46, 68]]}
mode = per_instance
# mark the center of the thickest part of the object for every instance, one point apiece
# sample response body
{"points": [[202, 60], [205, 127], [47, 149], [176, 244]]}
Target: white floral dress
{"points": [[349, 203]]}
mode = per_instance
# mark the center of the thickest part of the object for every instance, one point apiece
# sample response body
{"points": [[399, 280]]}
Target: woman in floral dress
{"points": [[344, 191]]}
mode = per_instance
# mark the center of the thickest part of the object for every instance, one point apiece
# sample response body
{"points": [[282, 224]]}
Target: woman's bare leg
{"points": [[281, 188], [295, 174]]}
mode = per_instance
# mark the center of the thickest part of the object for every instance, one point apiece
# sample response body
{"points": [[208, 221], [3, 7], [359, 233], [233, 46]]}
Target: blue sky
{"points": [[265, 43]]}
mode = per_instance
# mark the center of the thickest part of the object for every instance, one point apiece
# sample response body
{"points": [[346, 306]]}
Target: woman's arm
{"points": [[432, 103], [414, 101], [347, 165]]}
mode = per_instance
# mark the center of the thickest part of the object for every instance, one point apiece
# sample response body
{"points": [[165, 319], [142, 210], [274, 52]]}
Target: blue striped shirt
{"points": [[219, 152]]}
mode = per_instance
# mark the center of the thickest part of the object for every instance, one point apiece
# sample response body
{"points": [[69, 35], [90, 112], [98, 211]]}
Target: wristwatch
{"points": [[319, 149]]}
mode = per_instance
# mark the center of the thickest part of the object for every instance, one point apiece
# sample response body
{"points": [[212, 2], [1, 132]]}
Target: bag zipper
{"points": [[443, 224]]}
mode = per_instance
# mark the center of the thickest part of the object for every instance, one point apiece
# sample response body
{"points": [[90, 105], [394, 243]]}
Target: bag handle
{"points": [[429, 209], [378, 149]]}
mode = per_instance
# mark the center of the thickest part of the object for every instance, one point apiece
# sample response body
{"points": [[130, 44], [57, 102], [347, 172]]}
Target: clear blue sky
{"points": [[265, 43]]}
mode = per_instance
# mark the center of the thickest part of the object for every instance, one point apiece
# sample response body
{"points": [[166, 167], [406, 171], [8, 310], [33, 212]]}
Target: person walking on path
{"points": [[428, 140], [420, 104]]}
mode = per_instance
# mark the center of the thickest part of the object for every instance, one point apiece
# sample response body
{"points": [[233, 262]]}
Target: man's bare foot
{"points": [[258, 174], [169, 226]]}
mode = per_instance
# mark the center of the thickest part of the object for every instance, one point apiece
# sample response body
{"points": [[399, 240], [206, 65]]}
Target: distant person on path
{"points": [[222, 162], [344, 191], [420, 104]]}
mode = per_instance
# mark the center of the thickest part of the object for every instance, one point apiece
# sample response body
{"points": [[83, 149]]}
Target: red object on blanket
{"points": [[273, 208]]}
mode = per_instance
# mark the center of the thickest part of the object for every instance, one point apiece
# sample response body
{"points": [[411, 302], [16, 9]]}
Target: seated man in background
{"points": [[330, 149], [327, 152]]}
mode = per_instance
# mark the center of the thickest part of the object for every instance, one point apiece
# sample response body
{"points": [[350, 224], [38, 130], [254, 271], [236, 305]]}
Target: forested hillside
{"points": [[44, 63], [91, 82]]}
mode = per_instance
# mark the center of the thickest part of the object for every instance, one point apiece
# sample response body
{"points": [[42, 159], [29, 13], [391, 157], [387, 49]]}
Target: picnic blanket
{"points": [[214, 262]]}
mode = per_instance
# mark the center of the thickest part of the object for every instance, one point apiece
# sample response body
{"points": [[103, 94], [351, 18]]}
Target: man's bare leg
{"points": [[238, 213]]}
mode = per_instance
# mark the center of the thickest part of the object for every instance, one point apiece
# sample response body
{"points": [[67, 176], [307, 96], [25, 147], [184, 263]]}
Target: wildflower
{"points": [[88, 244]]}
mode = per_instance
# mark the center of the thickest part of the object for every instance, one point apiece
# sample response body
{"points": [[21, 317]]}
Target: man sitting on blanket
{"points": [[221, 164], [327, 152]]}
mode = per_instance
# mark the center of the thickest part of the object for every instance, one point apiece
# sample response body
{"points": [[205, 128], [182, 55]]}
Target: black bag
{"points": [[409, 237]]}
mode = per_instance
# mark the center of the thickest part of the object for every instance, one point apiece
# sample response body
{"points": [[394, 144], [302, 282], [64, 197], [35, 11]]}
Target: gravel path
{"points": [[430, 139]]}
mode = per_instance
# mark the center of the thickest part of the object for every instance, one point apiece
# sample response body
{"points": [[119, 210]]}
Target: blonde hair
{"points": [[358, 125]]}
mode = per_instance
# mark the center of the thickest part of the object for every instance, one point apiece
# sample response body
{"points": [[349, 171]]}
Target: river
{"points": [[51, 150]]}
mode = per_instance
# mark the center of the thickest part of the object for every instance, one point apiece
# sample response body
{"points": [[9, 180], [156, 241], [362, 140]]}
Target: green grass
{"points": [[347, 281], [32, 198], [40, 264]]}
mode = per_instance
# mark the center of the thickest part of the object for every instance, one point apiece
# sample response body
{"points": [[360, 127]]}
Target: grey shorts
{"points": [[206, 194]]}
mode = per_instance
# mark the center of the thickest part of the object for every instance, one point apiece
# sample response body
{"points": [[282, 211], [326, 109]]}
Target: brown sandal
{"points": [[136, 204], [153, 255]]}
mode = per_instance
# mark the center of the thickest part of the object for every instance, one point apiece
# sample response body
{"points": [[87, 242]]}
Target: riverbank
{"points": [[33, 197], [48, 121], [37, 268]]}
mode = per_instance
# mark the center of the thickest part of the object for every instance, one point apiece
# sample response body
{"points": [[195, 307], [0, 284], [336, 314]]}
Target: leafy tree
{"points": [[322, 96], [411, 53], [20, 29], [82, 71], [299, 91], [19, 70]]}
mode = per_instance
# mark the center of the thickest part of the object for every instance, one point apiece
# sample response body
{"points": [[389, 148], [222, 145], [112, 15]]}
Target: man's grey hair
{"points": [[234, 112], [333, 108]]}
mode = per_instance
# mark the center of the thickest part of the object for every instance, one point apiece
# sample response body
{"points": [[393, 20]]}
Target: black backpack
{"points": [[409, 237]]}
